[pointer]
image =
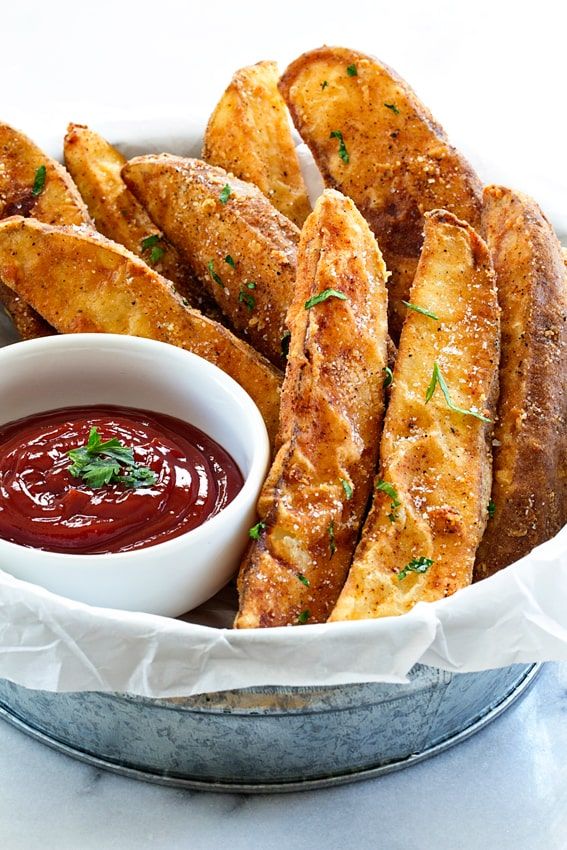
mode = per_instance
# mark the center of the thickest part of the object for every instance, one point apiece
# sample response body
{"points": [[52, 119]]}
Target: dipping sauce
{"points": [[43, 506]]}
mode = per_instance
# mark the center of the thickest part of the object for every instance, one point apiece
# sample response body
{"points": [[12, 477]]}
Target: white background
{"points": [[494, 75]]}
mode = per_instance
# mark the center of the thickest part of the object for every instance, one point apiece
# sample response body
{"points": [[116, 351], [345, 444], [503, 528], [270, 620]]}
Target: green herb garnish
{"points": [[416, 565], [491, 509], [332, 544], [347, 487], [225, 193], [150, 241], [39, 181], [246, 298], [285, 340], [101, 462], [212, 272], [156, 254], [256, 530], [437, 378], [303, 617], [343, 153], [392, 493], [228, 259], [322, 296], [303, 579], [324, 85], [393, 107], [421, 310], [351, 71], [389, 377]]}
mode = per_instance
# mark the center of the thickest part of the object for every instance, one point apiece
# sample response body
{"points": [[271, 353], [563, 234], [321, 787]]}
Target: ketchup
{"points": [[43, 506]]}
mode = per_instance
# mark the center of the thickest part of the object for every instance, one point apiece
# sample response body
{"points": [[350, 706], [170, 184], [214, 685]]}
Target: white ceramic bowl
{"points": [[83, 369]]}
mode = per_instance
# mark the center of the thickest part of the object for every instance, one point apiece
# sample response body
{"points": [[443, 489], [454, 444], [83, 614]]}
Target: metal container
{"points": [[268, 739]]}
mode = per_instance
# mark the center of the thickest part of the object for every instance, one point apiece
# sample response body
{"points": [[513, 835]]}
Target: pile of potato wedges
{"points": [[405, 340]]}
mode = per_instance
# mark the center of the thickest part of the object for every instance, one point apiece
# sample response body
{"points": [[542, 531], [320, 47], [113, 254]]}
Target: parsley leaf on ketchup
{"points": [[101, 462]]}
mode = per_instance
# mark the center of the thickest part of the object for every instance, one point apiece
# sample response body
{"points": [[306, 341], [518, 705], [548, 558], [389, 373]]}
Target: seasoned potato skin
{"points": [[117, 292], [400, 162], [529, 488], [58, 203], [183, 197], [249, 135], [331, 416], [95, 167], [438, 461]]}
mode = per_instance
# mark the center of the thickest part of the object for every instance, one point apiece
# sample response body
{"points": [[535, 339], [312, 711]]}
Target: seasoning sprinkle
{"points": [[324, 85]]}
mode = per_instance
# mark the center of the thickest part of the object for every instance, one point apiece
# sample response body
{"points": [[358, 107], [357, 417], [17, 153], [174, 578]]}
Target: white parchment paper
{"points": [[48, 642]]}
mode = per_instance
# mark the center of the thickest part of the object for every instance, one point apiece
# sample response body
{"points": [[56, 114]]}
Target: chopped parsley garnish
{"points": [[437, 378], [39, 181], [250, 284], [322, 296], [256, 530], [491, 509], [150, 241], [347, 487], [393, 107], [416, 565], [102, 462], [156, 254], [389, 377], [392, 493], [332, 544], [421, 310], [228, 259], [212, 272], [303, 617], [303, 579], [351, 71], [324, 85], [225, 193], [343, 153], [246, 298], [286, 339]]}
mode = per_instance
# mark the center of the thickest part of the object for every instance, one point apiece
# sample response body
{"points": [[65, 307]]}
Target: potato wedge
{"points": [[240, 248], [95, 167], [377, 143], [116, 292], [430, 503], [530, 479], [314, 498], [249, 135], [52, 198]]}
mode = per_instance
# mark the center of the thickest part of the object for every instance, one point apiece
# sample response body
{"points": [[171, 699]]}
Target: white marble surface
{"points": [[504, 788]]}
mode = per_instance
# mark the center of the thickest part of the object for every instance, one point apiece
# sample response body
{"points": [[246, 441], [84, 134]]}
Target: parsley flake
{"points": [[225, 193], [392, 493], [246, 298], [285, 340], [324, 85], [491, 509], [228, 259], [156, 254], [421, 310], [39, 181], [150, 241], [393, 107], [332, 544], [343, 153], [437, 378], [303, 617], [323, 296], [347, 487], [388, 380], [212, 272], [303, 579], [101, 462], [256, 530], [351, 71], [416, 565]]}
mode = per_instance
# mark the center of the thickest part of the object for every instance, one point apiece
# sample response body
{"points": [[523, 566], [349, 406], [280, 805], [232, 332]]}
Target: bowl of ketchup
{"points": [[129, 471]]}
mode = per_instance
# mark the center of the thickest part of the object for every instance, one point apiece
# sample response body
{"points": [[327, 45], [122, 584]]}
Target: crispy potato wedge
{"points": [[377, 143], [55, 200], [240, 248], [529, 489], [116, 292], [249, 135], [95, 167], [314, 498], [430, 506]]}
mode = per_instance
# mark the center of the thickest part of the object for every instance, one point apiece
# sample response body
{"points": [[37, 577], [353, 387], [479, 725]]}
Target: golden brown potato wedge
{"points": [[430, 503], [249, 135], [81, 281], [240, 248], [33, 184], [95, 167], [313, 501], [377, 143], [530, 479]]}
